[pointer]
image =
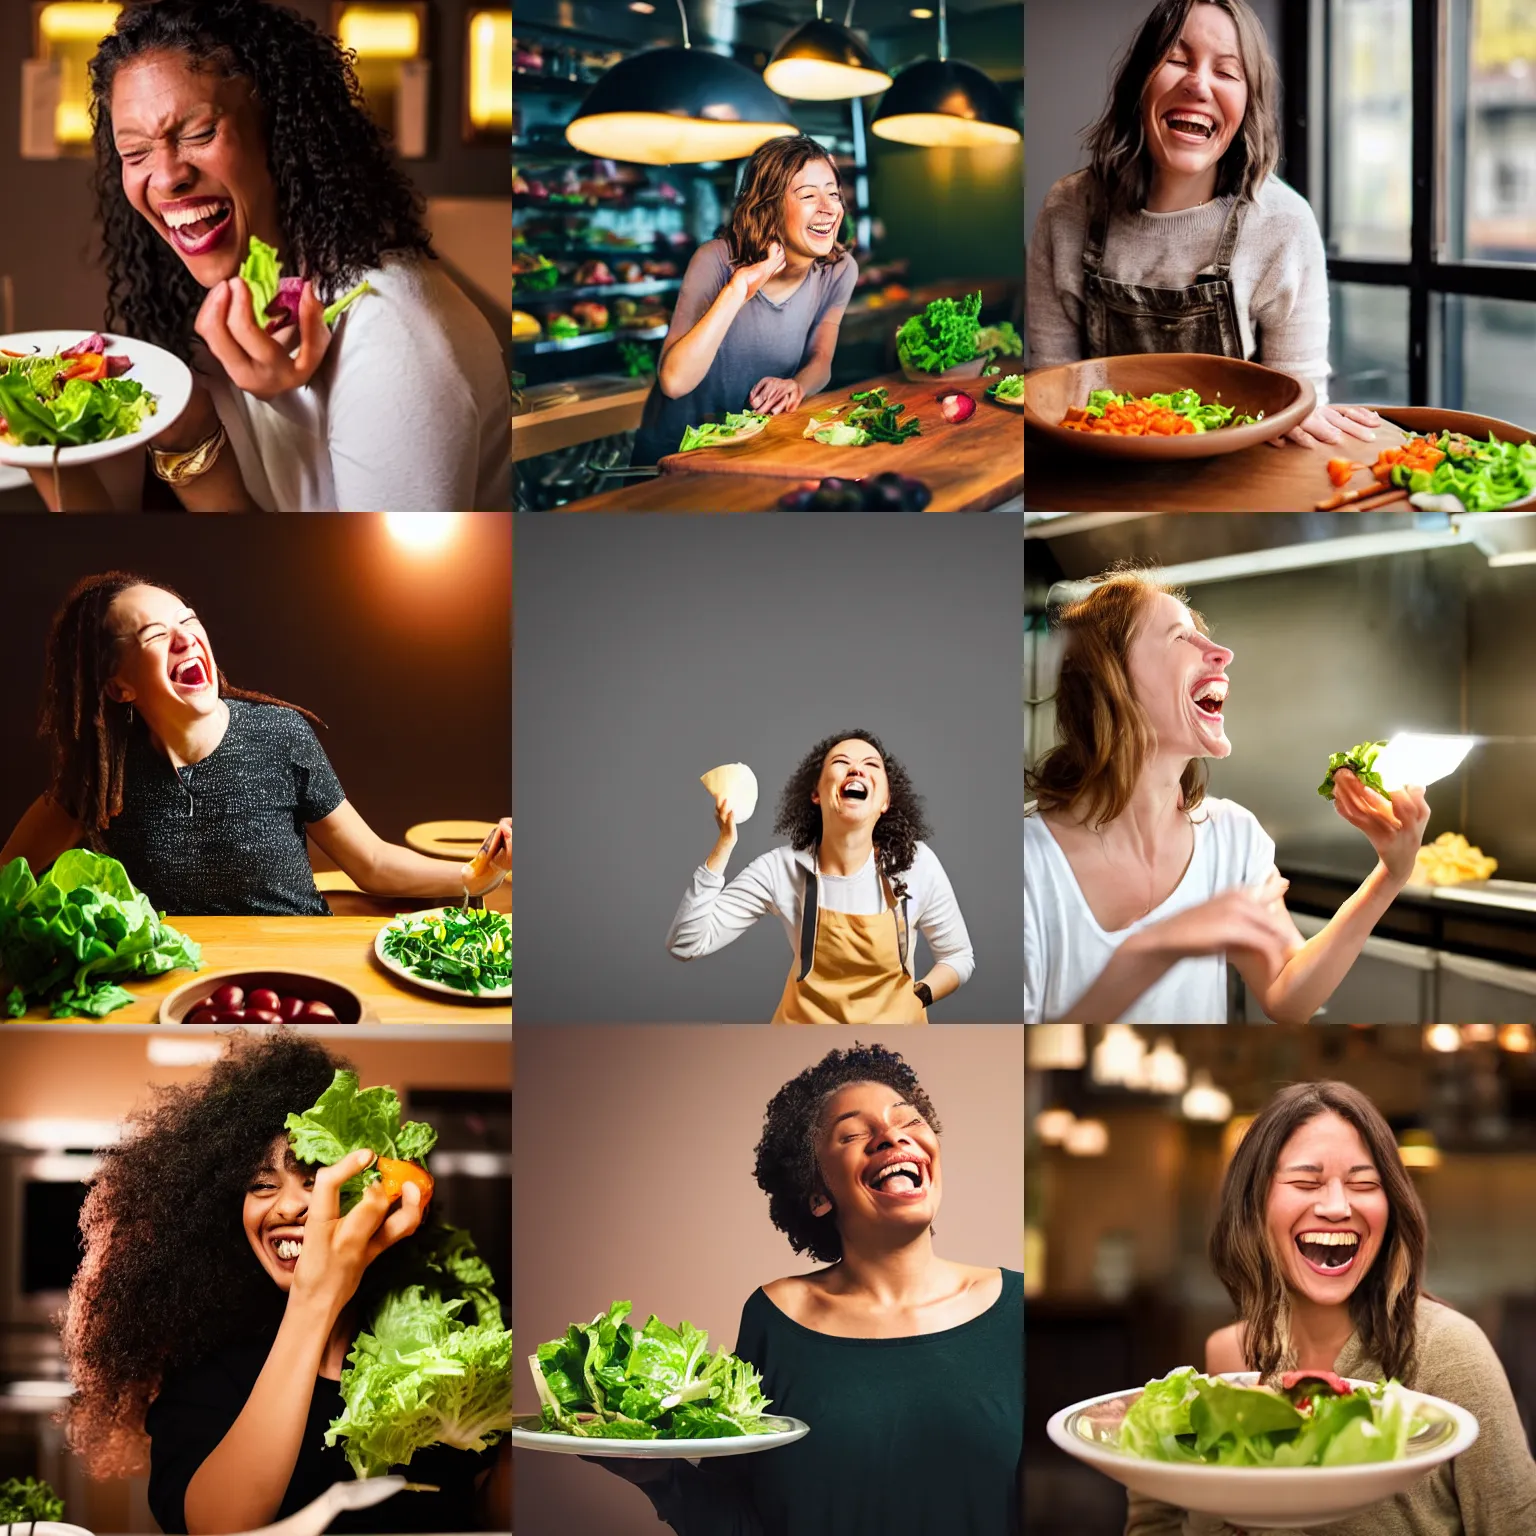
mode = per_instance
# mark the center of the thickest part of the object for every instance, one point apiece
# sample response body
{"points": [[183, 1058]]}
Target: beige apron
{"points": [[852, 968]]}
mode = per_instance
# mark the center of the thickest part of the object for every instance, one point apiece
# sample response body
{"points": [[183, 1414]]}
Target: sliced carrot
{"points": [[91, 367], [1341, 471]]}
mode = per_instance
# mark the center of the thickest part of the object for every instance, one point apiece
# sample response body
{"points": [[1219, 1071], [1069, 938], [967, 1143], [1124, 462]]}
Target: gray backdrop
{"points": [[652, 648]]}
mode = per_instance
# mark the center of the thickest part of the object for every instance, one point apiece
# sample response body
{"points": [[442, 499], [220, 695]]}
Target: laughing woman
{"points": [[849, 888], [216, 121], [756, 322], [197, 1347], [1178, 236], [1138, 889], [205, 793], [910, 1367], [1320, 1242]]}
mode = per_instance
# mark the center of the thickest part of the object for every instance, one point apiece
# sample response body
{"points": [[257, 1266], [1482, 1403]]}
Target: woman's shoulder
{"points": [[271, 722], [1448, 1338], [1228, 817], [712, 259], [844, 270], [1277, 203], [1067, 201], [1224, 1350]]}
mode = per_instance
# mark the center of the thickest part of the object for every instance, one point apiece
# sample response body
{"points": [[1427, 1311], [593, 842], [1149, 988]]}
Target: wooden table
{"points": [[338, 947], [733, 493], [970, 466], [581, 411], [1289, 478]]}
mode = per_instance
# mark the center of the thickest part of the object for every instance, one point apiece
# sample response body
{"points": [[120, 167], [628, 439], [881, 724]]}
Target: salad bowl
{"points": [[1433, 420], [1262, 1498], [415, 978], [527, 1435]]}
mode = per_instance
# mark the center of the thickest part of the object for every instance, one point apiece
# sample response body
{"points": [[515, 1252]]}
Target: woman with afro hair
{"points": [[217, 122], [194, 1345], [853, 882], [909, 1368]]}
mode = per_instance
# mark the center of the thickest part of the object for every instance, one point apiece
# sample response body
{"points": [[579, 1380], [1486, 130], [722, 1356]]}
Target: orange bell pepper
{"points": [[396, 1175], [91, 367]]}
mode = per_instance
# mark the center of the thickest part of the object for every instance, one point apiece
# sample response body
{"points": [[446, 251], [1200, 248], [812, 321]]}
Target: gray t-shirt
{"points": [[767, 340]]}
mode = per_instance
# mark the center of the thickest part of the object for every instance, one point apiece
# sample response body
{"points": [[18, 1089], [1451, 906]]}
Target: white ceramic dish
{"points": [[526, 1438], [166, 377], [1260, 1498], [490, 995]]}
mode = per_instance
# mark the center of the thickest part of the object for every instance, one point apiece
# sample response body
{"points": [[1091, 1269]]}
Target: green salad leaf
{"points": [[39, 411], [1361, 761], [262, 274], [471, 951], [1207, 415], [608, 1380], [21, 1502], [68, 939], [1012, 388], [1000, 340], [943, 336], [345, 1119], [1481, 476], [713, 432]]}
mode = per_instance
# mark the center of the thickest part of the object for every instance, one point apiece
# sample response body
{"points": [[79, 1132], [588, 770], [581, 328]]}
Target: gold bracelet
{"points": [[178, 468]]}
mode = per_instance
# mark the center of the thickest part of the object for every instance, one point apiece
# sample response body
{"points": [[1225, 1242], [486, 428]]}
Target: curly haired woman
{"points": [[910, 1367], [219, 120], [1320, 1162], [849, 888], [756, 321], [190, 1338]]}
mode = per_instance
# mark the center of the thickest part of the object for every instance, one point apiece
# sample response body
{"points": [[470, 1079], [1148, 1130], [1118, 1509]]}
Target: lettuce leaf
{"points": [[1361, 761], [943, 336], [68, 939], [275, 298], [21, 1502], [347, 1118]]}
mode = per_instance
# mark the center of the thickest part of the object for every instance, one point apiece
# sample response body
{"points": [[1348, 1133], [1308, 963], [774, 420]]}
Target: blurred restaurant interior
{"points": [[601, 243], [1131, 1132], [59, 1103], [435, 74], [1349, 627]]}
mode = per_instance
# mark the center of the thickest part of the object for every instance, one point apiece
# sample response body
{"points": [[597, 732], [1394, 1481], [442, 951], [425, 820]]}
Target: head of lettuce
{"points": [[69, 939]]}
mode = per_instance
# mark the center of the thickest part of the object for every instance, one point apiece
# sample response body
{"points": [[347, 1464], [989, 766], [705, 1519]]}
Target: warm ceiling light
{"points": [[1418, 1150], [1477, 1034], [1057, 1048], [1165, 1071], [76, 21], [490, 69], [1087, 1138], [421, 531], [644, 7], [921, 13], [1443, 1037], [1517, 1038], [822, 61], [376, 32], [1053, 1126], [1119, 1058], [1205, 1101]]}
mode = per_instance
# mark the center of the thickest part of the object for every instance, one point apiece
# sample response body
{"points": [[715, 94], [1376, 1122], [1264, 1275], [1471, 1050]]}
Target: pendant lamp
{"points": [[823, 61], [944, 103], [676, 106]]}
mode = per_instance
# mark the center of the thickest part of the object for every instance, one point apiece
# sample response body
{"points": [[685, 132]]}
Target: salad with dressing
{"points": [[70, 398]]}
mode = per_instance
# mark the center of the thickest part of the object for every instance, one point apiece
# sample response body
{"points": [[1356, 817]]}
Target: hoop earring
{"points": [[130, 714]]}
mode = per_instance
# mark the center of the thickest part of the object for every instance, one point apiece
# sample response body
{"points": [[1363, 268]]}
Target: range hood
{"points": [[1190, 548]]}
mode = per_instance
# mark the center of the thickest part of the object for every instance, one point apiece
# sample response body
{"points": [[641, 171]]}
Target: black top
{"points": [[922, 1435], [197, 1406], [225, 837]]}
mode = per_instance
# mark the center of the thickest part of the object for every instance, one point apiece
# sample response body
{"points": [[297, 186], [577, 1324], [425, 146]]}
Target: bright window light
{"points": [[421, 531], [490, 70]]}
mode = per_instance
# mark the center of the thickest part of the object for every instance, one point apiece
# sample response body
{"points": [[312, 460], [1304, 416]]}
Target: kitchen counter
{"points": [[556, 416], [340, 948]]}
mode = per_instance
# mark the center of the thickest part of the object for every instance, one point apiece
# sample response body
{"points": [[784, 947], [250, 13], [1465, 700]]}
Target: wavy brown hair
{"points": [[787, 1170], [1105, 736], [87, 732], [1384, 1305], [1119, 157], [757, 219], [897, 832]]}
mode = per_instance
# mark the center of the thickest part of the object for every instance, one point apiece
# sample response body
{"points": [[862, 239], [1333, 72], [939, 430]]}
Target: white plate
{"points": [[1261, 1498], [785, 1432], [43, 1528], [166, 377], [490, 995]]}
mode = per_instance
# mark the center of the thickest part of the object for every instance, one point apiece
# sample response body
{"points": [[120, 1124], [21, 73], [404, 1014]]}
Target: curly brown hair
{"points": [[898, 831], [168, 1275], [87, 732], [757, 219], [787, 1170]]}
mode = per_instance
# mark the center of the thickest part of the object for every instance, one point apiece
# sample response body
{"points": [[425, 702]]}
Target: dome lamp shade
{"points": [[822, 61]]}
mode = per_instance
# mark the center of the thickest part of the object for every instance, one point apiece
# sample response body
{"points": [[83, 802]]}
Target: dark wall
{"points": [[406, 657], [48, 233]]}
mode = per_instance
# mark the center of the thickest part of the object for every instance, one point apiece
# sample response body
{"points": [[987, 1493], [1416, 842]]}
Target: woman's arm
{"points": [[777, 396], [712, 913], [219, 489], [1054, 317], [495, 1497], [940, 922], [44, 832], [388, 869], [688, 356], [76, 489]]}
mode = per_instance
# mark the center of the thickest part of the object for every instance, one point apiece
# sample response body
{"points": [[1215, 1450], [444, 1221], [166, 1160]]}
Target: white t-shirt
{"points": [[1065, 949], [410, 411], [712, 914]]}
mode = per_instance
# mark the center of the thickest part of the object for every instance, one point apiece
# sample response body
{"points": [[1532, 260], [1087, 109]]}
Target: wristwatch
{"points": [[924, 994]]}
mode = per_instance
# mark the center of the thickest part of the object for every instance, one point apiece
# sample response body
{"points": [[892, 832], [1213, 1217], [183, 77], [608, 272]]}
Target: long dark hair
{"points": [[897, 833], [87, 732], [341, 199], [757, 219], [1117, 142], [1384, 1305]]}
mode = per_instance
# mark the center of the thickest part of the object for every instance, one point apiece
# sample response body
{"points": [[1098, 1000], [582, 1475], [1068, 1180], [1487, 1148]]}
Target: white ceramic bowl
{"points": [[1261, 1498], [527, 1436]]}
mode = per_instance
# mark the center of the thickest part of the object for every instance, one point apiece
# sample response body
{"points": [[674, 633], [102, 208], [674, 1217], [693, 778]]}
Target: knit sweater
{"points": [[1489, 1490], [1279, 272]]}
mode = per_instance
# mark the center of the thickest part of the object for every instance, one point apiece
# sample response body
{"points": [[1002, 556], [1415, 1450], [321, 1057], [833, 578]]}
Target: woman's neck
{"points": [[795, 266], [844, 850], [1154, 815], [1318, 1333], [190, 741], [904, 1274], [1176, 194]]}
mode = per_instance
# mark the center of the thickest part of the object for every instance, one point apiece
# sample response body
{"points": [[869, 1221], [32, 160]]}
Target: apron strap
{"points": [[1230, 231], [808, 921], [900, 909], [1098, 229]]}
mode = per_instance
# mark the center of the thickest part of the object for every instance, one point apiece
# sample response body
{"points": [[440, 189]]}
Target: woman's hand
{"points": [[258, 363], [1330, 424], [774, 397], [633, 1469], [337, 1248], [745, 281], [1394, 825], [499, 854], [1248, 918]]}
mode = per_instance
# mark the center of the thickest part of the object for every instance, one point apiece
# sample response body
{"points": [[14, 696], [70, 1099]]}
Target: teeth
{"points": [[289, 1247], [1330, 1239], [891, 1169], [177, 218]]}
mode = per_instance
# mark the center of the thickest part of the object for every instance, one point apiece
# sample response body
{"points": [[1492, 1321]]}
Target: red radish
{"points": [[263, 998], [202, 1014], [956, 405], [317, 1013], [228, 996], [290, 1007], [229, 1016], [263, 1016]]}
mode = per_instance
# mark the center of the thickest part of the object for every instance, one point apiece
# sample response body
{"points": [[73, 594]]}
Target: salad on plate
{"points": [[72, 397], [1173, 414]]}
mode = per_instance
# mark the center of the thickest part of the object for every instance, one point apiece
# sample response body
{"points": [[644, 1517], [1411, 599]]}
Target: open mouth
{"points": [[823, 230], [1329, 1253], [856, 789], [1194, 126], [190, 675], [286, 1250], [1210, 697], [198, 227], [903, 1178]]}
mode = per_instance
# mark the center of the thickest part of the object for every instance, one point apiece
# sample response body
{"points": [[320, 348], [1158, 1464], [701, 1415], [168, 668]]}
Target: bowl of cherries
{"points": [[263, 997]]}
